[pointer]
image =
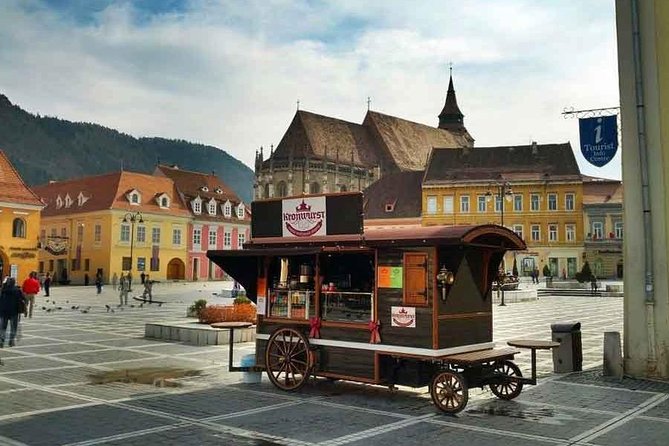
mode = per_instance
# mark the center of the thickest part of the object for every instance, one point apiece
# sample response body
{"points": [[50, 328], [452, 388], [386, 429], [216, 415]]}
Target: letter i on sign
{"points": [[598, 131]]}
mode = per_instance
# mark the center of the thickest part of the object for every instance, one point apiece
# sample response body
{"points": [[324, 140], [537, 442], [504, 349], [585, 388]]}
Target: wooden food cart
{"points": [[385, 305]]}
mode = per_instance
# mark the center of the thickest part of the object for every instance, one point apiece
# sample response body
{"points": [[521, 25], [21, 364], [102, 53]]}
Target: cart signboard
{"points": [[404, 317], [303, 217], [390, 276]]}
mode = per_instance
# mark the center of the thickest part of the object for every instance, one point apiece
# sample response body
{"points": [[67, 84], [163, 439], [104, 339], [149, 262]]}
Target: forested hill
{"points": [[44, 148]]}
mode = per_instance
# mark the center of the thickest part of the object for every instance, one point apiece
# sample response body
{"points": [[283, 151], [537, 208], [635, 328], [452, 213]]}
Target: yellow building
{"points": [[19, 223], [114, 223], [535, 190]]}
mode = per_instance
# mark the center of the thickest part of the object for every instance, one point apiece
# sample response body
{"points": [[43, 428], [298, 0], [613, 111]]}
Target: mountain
{"points": [[43, 148]]}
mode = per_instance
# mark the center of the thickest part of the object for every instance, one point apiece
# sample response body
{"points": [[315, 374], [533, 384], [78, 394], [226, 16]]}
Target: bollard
{"points": [[613, 357], [250, 377], [568, 357]]}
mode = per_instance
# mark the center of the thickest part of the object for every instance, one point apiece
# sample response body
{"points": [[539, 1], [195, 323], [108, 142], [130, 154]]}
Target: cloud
{"points": [[229, 73]]}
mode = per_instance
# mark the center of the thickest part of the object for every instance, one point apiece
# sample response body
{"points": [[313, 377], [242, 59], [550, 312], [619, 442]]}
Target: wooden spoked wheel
{"points": [[288, 359], [507, 390], [449, 391]]}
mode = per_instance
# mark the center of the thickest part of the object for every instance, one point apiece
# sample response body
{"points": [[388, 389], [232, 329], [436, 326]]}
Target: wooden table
{"points": [[231, 340], [533, 345]]}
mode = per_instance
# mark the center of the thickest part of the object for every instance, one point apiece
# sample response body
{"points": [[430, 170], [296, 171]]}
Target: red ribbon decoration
{"points": [[315, 324], [373, 327]]}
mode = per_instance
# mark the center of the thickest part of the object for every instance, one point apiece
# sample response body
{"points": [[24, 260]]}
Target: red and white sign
{"points": [[403, 317], [303, 217]]}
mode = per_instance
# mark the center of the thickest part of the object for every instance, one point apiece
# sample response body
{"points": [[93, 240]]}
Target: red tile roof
{"points": [[602, 191], [12, 187], [110, 191]]}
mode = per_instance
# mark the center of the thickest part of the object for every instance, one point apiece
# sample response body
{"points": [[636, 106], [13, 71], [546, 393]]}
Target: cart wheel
{"points": [[510, 389], [449, 391], [288, 359]]}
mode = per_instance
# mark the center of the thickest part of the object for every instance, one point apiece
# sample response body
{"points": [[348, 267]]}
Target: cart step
{"points": [[481, 356]]}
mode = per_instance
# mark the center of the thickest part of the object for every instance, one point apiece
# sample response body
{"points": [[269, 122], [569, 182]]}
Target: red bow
{"points": [[315, 323], [373, 327]]}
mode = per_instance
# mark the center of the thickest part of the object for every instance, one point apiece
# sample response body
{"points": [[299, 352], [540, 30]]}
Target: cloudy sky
{"points": [[229, 73]]}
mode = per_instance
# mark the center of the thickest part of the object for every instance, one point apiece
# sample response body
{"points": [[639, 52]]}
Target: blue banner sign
{"points": [[599, 139]]}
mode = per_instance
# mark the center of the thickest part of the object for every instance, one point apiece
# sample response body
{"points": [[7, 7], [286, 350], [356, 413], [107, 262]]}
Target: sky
{"points": [[230, 73]]}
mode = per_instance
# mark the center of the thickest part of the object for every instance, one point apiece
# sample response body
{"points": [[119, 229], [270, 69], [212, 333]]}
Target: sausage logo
{"points": [[404, 317], [303, 217]]}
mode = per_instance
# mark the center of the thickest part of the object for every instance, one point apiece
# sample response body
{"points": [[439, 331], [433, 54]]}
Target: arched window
{"points": [[19, 228], [315, 188], [266, 194], [342, 188], [281, 189]]}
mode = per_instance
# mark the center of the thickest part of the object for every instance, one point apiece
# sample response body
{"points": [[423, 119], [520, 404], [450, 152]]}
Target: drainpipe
{"points": [[651, 362]]}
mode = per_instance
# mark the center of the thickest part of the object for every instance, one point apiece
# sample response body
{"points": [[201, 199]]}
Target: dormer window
{"points": [[219, 190], [59, 202], [197, 205], [227, 209], [390, 207], [163, 201], [134, 197], [241, 211], [211, 207], [204, 189], [68, 201], [81, 199]]}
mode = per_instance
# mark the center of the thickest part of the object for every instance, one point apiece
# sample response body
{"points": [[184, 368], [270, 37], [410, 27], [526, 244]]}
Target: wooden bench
{"points": [[481, 356], [533, 345]]}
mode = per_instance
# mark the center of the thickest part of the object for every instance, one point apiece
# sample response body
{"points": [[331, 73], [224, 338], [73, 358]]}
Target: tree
{"points": [[515, 267], [585, 275], [547, 271]]}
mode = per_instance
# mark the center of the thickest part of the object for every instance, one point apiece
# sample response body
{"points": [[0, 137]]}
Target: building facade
{"points": [[20, 211], [113, 224], [320, 154], [219, 219]]}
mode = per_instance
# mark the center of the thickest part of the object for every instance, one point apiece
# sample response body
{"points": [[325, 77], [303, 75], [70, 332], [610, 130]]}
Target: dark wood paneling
{"points": [[266, 221], [345, 361], [338, 334], [405, 371], [344, 214], [457, 332]]}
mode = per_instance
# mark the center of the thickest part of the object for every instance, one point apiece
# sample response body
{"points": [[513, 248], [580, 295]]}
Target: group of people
{"points": [[123, 285], [14, 302], [534, 274]]}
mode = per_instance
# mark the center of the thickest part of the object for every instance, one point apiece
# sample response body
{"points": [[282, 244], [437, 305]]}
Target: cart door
{"points": [[415, 278]]}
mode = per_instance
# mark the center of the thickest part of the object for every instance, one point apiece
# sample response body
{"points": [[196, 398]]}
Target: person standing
{"points": [[148, 287], [593, 285], [142, 277], [129, 279], [124, 287], [11, 301], [47, 284], [98, 282], [86, 279], [30, 288], [114, 281]]}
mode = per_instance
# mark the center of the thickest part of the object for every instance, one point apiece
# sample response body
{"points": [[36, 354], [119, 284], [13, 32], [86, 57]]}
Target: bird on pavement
{"points": [[108, 308]]}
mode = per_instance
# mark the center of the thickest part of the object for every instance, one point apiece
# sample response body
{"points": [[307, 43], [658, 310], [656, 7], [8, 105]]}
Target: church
{"points": [[321, 154]]}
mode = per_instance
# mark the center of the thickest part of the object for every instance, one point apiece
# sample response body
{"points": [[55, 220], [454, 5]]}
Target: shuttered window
{"points": [[415, 279]]}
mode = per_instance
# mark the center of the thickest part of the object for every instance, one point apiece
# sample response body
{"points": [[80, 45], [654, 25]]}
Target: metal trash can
{"points": [[568, 357], [250, 377]]}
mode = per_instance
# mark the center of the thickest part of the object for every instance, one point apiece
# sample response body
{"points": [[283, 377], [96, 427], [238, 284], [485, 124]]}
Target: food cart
{"points": [[390, 306]]}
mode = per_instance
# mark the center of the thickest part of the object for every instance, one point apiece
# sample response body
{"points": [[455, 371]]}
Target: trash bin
{"points": [[250, 377], [568, 357]]}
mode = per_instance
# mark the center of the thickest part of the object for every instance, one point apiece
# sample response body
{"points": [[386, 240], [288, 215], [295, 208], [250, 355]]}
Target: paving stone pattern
{"points": [[47, 396]]}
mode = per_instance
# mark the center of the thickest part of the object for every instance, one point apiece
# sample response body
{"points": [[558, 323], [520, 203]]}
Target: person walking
{"points": [[124, 287], [47, 284], [114, 281], [30, 288], [12, 304], [142, 277], [86, 279], [593, 285], [98, 282], [148, 287], [129, 279]]}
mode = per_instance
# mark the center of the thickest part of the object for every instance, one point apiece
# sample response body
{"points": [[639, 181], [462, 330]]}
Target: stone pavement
{"points": [[48, 398]]}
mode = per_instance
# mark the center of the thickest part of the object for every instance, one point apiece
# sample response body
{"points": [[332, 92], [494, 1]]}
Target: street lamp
{"points": [[501, 191], [132, 218]]}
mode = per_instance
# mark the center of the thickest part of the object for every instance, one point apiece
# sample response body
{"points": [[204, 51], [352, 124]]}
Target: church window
{"points": [[315, 188], [342, 188], [281, 189]]}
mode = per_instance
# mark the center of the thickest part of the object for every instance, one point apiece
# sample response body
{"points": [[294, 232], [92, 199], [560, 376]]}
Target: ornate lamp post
{"points": [[501, 191], [132, 218]]}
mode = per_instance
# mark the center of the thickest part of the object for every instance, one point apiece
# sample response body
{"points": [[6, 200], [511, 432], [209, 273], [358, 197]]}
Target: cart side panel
{"points": [[470, 291], [465, 331], [421, 335], [333, 333], [346, 362]]}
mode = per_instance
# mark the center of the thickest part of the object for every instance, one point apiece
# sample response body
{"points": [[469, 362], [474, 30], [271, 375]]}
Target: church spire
{"points": [[451, 118]]}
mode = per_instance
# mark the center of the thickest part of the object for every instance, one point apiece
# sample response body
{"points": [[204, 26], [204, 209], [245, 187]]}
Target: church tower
{"points": [[451, 118]]}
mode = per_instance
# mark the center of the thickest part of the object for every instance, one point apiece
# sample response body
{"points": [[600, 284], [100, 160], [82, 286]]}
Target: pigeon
{"points": [[59, 308], [160, 304], [48, 310], [108, 308], [67, 301], [141, 305], [132, 305], [84, 311], [112, 310], [43, 308]]}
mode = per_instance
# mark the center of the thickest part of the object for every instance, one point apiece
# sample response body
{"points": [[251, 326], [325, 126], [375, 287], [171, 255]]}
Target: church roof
{"points": [[12, 187], [507, 163]]}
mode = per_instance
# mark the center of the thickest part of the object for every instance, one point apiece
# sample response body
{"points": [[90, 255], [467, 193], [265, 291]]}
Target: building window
{"points": [[431, 204], [227, 239], [176, 237], [618, 228], [552, 233], [41, 267], [482, 203], [54, 232], [212, 238], [42, 235], [80, 232], [197, 238], [73, 265], [241, 238], [155, 264], [535, 233], [19, 228], [164, 202], [97, 233], [134, 198], [518, 203], [141, 234], [155, 236], [569, 202], [50, 265], [227, 209], [241, 211], [197, 206], [314, 188], [570, 233], [281, 189], [552, 202], [448, 204], [59, 202], [125, 232], [126, 263], [534, 202], [597, 230], [498, 203], [63, 232], [141, 263], [518, 229], [87, 264], [464, 204], [211, 207]]}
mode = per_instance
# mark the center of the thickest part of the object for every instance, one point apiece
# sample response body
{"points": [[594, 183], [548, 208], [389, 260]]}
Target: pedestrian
{"points": [[30, 287], [148, 286], [114, 281], [129, 279], [98, 282], [235, 289], [47, 284], [12, 304], [86, 279], [124, 287], [142, 277], [593, 285]]}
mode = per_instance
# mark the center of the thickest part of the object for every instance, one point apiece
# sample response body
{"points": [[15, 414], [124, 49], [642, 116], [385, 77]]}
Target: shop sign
{"points": [[14, 271], [390, 277], [23, 255], [599, 139], [404, 317], [304, 217], [261, 298]]}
